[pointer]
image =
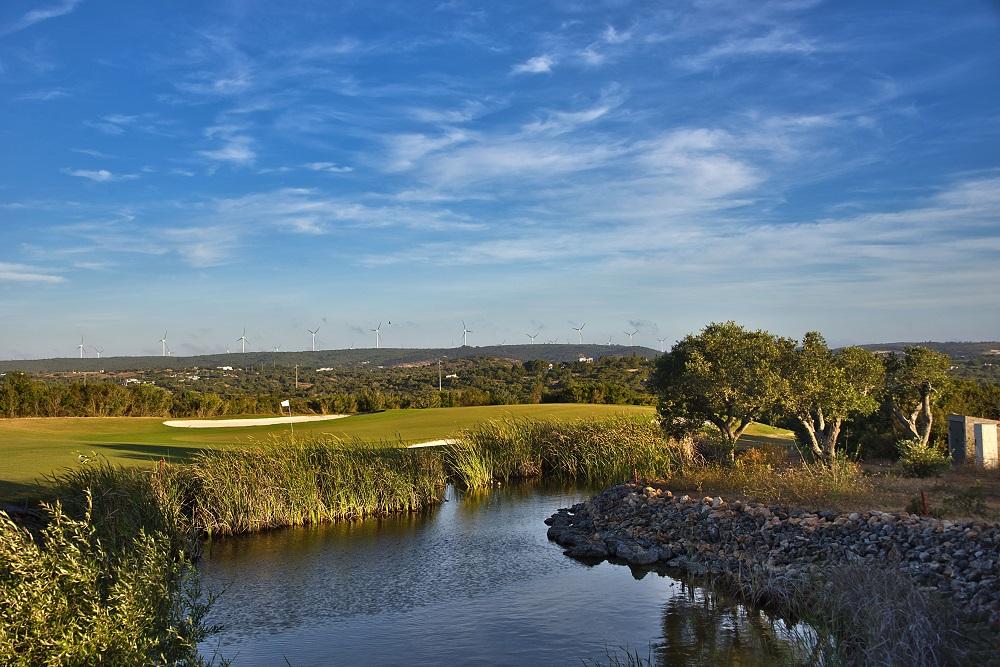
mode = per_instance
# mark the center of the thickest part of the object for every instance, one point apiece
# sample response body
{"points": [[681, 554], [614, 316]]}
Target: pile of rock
{"points": [[644, 525]]}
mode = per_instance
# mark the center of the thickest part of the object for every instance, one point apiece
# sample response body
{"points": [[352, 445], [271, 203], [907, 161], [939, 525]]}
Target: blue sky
{"points": [[205, 167]]}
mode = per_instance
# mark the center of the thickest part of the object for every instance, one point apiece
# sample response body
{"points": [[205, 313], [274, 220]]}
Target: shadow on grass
{"points": [[751, 440], [137, 452], [20, 493]]}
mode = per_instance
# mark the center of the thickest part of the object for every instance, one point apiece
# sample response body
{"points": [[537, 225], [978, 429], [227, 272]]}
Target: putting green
{"points": [[32, 448]]}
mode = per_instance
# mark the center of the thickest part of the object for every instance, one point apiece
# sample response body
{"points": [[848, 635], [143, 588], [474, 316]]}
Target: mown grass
{"points": [[589, 451]]}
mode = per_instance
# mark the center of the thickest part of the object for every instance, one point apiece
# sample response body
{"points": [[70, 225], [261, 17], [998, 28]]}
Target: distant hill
{"points": [[955, 350], [331, 358]]}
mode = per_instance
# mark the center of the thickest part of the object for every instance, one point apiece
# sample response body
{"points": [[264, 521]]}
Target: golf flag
{"points": [[286, 403]]}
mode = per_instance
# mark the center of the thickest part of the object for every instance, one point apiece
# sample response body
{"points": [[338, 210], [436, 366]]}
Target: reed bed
{"points": [[291, 484], [593, 451]]}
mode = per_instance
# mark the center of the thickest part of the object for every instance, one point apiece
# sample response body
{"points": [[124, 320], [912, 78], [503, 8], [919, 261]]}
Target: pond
{"points": [[472, 582]]}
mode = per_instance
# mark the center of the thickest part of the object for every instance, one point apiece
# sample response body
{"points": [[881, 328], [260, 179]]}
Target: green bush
{"points": [[919, 460], [67, 599]]}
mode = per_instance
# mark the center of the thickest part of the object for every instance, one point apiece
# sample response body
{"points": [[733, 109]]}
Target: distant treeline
{"points": [[22, 396]]}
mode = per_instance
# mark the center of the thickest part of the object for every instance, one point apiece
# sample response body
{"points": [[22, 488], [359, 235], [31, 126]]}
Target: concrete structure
{"points": [[986, 445], [962, 436]]}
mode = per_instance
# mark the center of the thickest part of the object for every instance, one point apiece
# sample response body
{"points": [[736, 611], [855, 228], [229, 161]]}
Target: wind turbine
{"points": [[465, 334], [243, 339], [99, 352], [163, 344], [314, 332], [579, 331], [630, 334], [532, 337], [80, 346], [378, 334], [609, 341], [660, 341]]}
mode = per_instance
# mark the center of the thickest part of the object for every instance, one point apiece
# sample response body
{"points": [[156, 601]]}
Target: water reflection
{"points": [[474, 582]]}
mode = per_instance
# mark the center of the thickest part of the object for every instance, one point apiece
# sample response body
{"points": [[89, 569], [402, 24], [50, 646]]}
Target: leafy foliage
{"points": [[68, 599], [726, 375], [918, 459], [826, 387], [912, 382]]}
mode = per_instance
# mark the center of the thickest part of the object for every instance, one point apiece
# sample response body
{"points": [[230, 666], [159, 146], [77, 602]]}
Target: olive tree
{"points": [[826, 387], [913, 381], [726, 375]]}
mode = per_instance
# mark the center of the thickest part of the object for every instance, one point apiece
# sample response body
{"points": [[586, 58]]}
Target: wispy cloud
{"points": [[779, 41], [328, 167], [21, 273], [537, 65], [116, 124], [99, 175], [236, 147], [38, 15], [46, 95], [92, 153]]}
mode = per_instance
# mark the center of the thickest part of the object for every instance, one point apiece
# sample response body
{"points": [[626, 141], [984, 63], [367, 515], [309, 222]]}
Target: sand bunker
{"points": [[434, 443], [261, 421]]}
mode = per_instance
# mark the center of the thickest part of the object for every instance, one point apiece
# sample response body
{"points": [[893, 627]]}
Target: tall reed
{"points": [[600, 450], [286, 483]]}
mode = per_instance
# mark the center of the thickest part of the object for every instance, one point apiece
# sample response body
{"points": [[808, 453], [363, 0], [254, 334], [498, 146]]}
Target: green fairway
{"points": [[30, 448]]}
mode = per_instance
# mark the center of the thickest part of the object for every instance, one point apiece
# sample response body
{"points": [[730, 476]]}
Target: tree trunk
{"points": [[925, 435], [807, 423]]}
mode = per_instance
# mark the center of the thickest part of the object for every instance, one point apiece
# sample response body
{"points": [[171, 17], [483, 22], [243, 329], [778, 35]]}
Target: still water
{"points": [[473, 582]]}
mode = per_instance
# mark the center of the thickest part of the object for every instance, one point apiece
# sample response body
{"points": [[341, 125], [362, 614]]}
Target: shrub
{"points": [[68, 599], [919, 460]]}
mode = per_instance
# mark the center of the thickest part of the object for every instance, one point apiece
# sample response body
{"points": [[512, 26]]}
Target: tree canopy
{"points": [[913, 380], [726, 375], [826, 387]]}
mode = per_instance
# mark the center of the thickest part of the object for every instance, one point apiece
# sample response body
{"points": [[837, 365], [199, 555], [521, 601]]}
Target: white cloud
{"points": [[559, 122], [41, 14], [236, 148], [328, 167], [406, 149], [777, 42], [44, 95], [21, 273], [537, 65], [612, 36], [99, 175]]}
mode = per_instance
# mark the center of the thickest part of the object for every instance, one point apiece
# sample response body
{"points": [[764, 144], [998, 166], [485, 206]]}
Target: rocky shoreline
{"points": [[642, 525]]}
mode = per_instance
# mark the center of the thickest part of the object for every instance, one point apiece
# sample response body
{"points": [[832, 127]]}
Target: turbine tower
{"points": [[532, 337], [579, 331], [465, 334], [660, 341], [80, 346], [378, 334], [313, 332], [243, 339], [163, 345], [630, 334]]}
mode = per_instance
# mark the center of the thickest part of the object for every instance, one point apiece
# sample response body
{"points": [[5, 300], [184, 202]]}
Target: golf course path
{"points": [[260, 421]]}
